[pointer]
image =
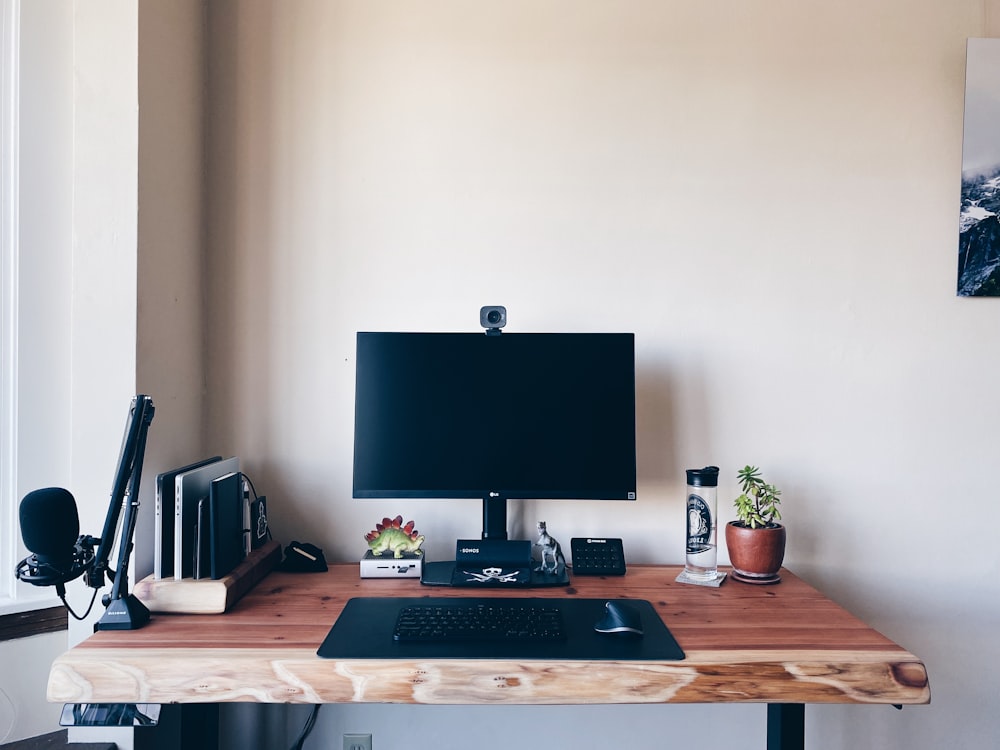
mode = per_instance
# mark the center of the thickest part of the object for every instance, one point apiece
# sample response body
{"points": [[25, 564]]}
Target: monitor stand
{"points": [[493, 561]]}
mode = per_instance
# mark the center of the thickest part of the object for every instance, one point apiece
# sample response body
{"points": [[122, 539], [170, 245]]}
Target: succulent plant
{"points": [[758, 505]]}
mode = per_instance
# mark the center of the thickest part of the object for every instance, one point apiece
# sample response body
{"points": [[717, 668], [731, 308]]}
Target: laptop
{"points": [[190, 487], [163, 539]]}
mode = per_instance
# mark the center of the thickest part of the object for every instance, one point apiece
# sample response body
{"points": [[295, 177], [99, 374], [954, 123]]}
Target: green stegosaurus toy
{"points": [[393, 536]]}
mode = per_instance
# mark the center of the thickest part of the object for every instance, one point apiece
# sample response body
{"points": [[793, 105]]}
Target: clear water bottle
{"points": [[702, 560]]}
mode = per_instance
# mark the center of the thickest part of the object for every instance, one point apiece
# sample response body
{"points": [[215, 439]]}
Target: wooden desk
{"points": [[785, 645]]}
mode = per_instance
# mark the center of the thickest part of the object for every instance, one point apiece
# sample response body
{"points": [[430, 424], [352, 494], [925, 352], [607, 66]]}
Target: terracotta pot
{"points": [[756, 554]]}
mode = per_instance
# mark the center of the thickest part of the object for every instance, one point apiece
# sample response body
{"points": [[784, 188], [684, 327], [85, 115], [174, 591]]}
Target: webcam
{"points": [[493, 318]]}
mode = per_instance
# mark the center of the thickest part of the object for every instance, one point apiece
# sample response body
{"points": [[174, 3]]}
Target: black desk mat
{"points": [[364, 631]]}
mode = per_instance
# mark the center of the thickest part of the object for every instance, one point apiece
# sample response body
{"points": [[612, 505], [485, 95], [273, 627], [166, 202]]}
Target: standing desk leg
{"points": [[786, 726], [199, 726]]}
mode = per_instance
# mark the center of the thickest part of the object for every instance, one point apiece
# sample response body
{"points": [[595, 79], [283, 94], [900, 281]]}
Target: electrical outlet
{"points": [[357, 742]]}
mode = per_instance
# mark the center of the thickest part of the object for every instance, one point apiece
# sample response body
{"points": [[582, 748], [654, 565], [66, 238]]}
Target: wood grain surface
{"points": [[206, 596], [743, 643]]}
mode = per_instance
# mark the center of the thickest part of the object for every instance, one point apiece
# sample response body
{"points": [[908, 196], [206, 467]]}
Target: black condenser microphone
{"points": [[50, 526]]}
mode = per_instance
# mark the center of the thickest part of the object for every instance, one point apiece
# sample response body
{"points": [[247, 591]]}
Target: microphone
{"points": [[50, 526]]}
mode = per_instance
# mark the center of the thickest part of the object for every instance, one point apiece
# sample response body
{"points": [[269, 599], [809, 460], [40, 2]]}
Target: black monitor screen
{"points": [[517, 415]]}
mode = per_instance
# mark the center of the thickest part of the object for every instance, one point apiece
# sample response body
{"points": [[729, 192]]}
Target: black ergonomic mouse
{"points": [[619, 617]]}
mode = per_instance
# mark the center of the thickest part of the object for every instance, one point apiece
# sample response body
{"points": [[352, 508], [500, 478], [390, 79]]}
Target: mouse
{"points": [[619, 617]]}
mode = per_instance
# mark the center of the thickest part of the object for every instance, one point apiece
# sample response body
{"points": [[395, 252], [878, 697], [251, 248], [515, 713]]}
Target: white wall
{"points": [[77, 314], [45, 280], [765, 192], [102, 357], [24, 711]]}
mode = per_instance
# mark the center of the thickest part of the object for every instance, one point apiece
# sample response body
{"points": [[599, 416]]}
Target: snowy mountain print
{"points": [[979, 219], [979, 236]]}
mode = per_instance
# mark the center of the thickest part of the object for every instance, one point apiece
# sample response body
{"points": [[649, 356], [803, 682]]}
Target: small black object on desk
{"points": [[302, 557]]}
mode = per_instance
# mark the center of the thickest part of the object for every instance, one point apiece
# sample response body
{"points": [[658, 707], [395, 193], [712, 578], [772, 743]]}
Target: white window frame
{"points": [[14, 597], [9, 98]]}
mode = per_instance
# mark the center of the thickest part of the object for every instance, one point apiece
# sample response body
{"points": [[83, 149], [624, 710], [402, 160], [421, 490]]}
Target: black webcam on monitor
{"points": [[493, 318]]}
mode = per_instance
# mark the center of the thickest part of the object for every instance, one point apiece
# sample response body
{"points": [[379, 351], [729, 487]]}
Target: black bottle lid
{"points": [[707, 477]]}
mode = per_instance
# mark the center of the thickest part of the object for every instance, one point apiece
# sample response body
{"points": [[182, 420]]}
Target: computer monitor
{"points": [[495, 417]]}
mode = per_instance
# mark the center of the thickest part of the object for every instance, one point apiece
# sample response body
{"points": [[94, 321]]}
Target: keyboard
{"points": [[480, 619]]}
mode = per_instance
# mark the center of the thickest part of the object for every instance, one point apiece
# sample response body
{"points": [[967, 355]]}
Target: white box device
{"points": [[387, 566]]}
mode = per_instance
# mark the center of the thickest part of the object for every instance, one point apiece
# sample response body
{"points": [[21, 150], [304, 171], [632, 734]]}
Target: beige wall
{"points": [[991, 14], [765, 192], [171, 288], [775, 176]]}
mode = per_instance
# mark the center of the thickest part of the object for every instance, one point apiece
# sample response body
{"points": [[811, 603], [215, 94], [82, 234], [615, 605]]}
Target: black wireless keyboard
{"points": [[597, 557], [480, 620]]}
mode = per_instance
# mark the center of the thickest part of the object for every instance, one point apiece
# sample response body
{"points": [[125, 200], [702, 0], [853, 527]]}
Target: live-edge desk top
{"points": [[785, 643]]}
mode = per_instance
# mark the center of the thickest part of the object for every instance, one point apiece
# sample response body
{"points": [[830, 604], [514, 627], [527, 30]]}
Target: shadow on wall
{"points": [[655, 417]]}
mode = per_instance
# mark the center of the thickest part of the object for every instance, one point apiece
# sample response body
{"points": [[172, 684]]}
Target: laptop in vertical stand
{"points": [[225, 523], [163, 537], [191, 486]]}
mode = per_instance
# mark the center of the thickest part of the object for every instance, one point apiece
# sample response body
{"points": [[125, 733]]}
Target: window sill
{"points": [[11, 606], [33, 622]]}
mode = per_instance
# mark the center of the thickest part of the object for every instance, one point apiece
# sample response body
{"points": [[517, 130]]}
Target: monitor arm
{"points": [[494, 516]]}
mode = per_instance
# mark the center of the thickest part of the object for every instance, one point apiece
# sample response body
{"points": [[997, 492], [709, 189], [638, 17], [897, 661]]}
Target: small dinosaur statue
{"points": [[393, 536], [551, 551]]}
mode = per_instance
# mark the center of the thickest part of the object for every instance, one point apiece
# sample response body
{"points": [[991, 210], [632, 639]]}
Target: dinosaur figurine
{"points": [[393, 536], [551, 551]]}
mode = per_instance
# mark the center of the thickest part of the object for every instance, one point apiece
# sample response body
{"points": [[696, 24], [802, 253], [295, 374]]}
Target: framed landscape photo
{"points": [[979, 218]]}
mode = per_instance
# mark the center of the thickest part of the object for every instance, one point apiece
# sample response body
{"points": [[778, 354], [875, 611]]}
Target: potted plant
{"points": [[756, 541]]}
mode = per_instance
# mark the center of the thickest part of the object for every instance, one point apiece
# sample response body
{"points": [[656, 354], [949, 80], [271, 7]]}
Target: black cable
{"points": [[62, 595], [250, 482], [306, 728], [256, 497]]}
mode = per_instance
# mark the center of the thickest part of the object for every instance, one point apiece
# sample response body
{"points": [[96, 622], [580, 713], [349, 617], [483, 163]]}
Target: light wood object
{"points": [[782, 644], [205, 595]]}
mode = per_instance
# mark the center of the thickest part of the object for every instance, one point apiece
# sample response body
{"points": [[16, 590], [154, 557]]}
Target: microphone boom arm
{"points": [[124, 611]]}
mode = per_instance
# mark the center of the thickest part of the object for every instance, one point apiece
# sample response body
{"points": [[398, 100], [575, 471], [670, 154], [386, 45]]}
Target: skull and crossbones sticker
{"points": [[491, 575]]}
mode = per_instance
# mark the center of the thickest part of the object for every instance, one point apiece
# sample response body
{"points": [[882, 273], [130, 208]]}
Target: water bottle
{"points": [[702, 560]]}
